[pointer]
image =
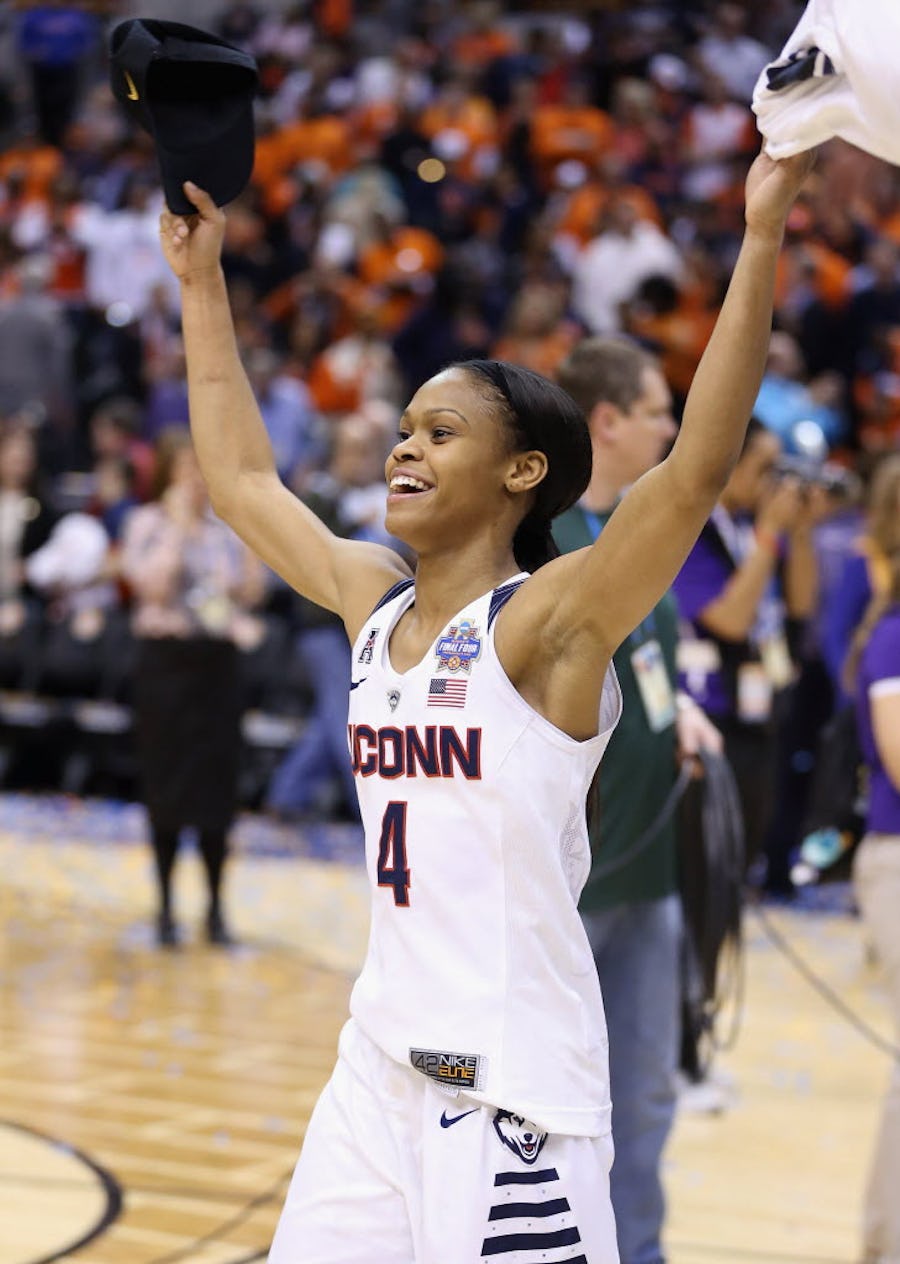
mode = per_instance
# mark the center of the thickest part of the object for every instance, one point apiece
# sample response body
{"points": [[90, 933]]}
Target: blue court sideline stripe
{"points": [[551, 1208], [527, 1178], [394, 592], [529, 1241]]}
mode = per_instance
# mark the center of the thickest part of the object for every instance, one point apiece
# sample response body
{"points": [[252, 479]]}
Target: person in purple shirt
{"points": [[874, 667], [752, 571], [864, 572], [879, 677]]}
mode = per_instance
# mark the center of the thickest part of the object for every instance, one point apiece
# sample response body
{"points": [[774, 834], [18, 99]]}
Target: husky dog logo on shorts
{"points": [[518, 1135]]}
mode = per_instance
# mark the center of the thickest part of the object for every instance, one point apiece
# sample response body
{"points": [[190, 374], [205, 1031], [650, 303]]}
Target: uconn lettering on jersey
{"points": [[435, 751]]}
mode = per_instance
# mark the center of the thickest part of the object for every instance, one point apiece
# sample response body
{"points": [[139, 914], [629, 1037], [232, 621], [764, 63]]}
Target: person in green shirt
{"points": [[631, 907]]}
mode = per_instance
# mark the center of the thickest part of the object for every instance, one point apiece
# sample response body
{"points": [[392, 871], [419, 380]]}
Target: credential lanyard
{"points": [[646, 630]]}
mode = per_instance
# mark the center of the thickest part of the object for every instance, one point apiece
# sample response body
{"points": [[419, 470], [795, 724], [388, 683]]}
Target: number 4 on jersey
{"points": [[392, 870]]}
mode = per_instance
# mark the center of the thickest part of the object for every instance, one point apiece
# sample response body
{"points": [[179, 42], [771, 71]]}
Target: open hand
{"points": [[193, 243], [771, 190]]}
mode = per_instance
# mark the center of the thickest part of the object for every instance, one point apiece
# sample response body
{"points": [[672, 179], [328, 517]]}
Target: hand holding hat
{"points": [[194, 94], [194, 243]]}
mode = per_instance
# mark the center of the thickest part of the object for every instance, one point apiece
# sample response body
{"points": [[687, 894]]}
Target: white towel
{"points": [[838, 75]]}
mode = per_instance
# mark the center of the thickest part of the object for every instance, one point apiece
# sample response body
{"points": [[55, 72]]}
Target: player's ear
{"points": [[526, 470]]}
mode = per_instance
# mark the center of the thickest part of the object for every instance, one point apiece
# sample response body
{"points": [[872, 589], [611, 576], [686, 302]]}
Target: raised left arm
{"points": [[646, 541], [557, 637]]}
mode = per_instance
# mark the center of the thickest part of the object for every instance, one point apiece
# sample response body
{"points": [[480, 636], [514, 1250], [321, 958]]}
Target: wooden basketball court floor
{"points": [[152, 1103]]}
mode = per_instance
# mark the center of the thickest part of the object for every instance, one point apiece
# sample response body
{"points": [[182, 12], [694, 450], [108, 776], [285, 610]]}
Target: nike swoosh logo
{"points": [[355, 684], [448, 1123], [132, 92]]}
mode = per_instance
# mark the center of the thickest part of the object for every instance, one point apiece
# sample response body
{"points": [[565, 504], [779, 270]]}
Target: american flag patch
{"points": [[447, 693]]}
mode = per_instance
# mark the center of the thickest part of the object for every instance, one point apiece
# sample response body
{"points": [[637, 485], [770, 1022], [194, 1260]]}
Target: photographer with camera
{"points": [[807, 718], [744, 593]]}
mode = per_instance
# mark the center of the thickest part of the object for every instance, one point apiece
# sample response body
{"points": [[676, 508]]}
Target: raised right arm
{"points": [[233, 447]]}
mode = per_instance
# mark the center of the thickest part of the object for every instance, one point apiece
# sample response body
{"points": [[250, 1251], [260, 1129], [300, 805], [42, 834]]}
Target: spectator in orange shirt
{"points": [[36, 164], [397, 264], [484, 40], [890, 226], [537, 334], [333, 17], [572, 130], [317, 141], [315, 308], [462, 127], [355, 369], [582, 210], [677, 321], [808, 266], [322, 139]]}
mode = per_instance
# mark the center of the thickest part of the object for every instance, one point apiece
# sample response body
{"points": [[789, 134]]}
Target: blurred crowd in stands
{"points": [[433, 181]]}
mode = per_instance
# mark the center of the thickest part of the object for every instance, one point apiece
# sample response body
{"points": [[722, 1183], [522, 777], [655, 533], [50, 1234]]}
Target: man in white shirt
{"points": [[124, 266], [731, 54], [612, 267]]}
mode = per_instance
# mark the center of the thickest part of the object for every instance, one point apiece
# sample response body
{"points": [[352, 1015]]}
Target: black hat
{"points": [[194, 94]]}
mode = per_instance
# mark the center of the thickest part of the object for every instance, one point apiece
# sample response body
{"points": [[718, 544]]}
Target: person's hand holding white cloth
{"points": [[838, 75]]}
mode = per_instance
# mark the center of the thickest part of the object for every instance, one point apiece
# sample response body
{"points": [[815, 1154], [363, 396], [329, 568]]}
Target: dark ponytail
{"points": [[539, 415], [533, 543]]}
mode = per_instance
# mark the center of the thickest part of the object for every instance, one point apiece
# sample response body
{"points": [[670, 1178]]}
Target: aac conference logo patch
{"points": [[368, 650]]}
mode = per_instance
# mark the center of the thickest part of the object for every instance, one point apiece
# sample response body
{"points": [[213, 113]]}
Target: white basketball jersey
{"points": [[478, 971]]}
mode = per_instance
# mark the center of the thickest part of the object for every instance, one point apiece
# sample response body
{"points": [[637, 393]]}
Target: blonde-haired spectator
{"points": [[193, 584]]}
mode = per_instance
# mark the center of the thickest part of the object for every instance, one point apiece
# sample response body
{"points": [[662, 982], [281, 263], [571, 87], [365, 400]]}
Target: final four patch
{"points": [[459, 649]]}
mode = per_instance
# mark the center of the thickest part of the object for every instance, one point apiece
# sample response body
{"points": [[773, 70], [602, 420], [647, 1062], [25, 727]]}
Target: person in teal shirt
{"points": [[632, 910]]}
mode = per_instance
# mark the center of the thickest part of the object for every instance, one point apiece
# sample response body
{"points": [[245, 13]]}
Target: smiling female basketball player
{"points": [[468, 1115]]}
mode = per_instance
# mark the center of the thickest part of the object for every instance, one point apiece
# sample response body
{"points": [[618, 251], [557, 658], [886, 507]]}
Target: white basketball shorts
{"points": [[396, 1171]]}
